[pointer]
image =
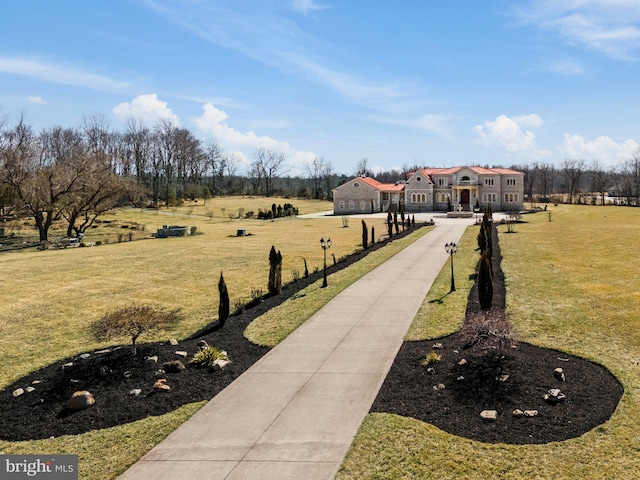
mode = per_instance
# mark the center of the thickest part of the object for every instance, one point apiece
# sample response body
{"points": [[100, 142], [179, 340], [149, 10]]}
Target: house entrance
{"points": [[464, 197]]}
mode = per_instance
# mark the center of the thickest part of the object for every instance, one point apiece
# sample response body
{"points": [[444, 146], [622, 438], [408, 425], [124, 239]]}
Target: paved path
{"points": [[295, 412]]}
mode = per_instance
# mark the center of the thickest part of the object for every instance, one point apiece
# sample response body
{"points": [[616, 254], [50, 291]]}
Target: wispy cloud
{"points": [[270, 37], [57, 73], [35, 100], [611, 27], [307, 6]]}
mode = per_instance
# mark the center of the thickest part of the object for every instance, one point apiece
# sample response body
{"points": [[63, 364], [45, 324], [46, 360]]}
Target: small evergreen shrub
{"points": [[431, 358], [207, 357]]}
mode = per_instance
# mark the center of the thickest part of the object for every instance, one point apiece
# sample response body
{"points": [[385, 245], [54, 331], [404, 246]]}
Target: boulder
{"points": [[80, 400], [559, 374], [18, 391], [489, 415], [518, 413], [174, 366], [161, 385]]}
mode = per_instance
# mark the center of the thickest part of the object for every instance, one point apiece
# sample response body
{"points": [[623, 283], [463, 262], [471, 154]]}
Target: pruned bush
{"points": [[224, 306], [485, 281], [488, 329], [134, 321]]}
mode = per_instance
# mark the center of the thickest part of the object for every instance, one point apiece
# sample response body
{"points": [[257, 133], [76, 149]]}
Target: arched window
{"points": [[351, 205], [515, 197], [362, 205], [341, 205]]}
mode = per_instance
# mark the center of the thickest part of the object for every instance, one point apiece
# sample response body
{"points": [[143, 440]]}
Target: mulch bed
{"points": [[592, 393], [452, 396], [110, 377]]}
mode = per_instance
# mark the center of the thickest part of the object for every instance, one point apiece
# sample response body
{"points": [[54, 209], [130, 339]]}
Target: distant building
{"points": [[433, 190]]}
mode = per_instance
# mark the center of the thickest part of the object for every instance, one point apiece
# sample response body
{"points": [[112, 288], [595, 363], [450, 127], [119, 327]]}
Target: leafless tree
{"points": [[314, 171], [267, 166], [573, 170], [599, 180]]}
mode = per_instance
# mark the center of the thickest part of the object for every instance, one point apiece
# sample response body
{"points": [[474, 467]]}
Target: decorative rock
{"points": [[173, 342], [460, 378], [518, 413], [462, 362], [554, 396], [67, 365], [503, 378], [530, 413], [431, 370], [135, 392], [456, 351], [182, 353], [17, 392], [80, 401], [437, 345], [559, 374], [73, 380], [489, 415], [104, 370], [161, 385], [127, 374], [202, 344], [84, 356], [102, 352], [174, 366], [441, 386], [153, 358], [36, 382], [29, 389]]}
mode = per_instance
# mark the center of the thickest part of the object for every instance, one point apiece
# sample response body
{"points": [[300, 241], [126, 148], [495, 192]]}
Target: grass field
{"points": [[49, 298], [572, 286]]}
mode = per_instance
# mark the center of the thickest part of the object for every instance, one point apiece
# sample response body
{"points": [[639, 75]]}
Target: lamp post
{"points": [[451, 248], [325, 244]]}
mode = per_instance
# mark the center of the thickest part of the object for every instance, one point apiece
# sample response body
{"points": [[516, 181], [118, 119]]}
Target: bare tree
{"points": [[599, 179], [573, 170], [362, 168], [268, 165], [314, 171]]}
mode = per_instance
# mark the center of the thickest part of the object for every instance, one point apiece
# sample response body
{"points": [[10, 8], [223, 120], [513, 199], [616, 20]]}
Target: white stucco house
{"points": [[434, 189]]}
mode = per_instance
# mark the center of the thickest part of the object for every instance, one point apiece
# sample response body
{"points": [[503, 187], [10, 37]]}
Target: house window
{"points": [[484, 197], [356, 184], [515, 197], [488, 182], [511, 182], [341, 205], [423, 198], [418, 179], [362, 205], [351, 205], [495, 197], [443, 182]]}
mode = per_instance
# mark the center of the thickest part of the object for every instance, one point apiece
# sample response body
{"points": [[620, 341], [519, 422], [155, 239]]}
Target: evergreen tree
{"points": [[275, 272], [485, 282], [365, 236], [224, 307]]}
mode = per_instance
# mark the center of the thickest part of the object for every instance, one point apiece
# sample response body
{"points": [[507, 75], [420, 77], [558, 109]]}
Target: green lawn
{"points": [[572, 286]]}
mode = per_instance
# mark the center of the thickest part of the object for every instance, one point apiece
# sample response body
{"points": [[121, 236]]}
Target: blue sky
{"points": [[428, 82]]}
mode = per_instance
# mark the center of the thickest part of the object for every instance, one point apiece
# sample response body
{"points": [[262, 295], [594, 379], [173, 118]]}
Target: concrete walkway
{"points": [[295, 412]]}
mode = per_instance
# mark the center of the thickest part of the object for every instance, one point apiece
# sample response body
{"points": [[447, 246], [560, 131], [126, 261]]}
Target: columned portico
{"points": [[465, 194]]}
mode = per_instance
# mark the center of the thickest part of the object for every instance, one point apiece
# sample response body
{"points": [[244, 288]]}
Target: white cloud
{"points": [[604, 149], [607, 26], [63, 74], [35, 100], [213, 122], [306, 6], [511, 133], [146, 108]]}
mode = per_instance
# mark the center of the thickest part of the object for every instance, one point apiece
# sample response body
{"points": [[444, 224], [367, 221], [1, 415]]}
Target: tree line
{"points": [[77, 174]]}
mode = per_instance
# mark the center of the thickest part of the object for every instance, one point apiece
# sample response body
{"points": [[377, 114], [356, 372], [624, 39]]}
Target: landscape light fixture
{"points": [[451, 248], [325, 244]]}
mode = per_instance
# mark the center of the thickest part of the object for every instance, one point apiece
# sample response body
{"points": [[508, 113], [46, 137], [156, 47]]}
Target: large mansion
{"points": [[434, 189]]}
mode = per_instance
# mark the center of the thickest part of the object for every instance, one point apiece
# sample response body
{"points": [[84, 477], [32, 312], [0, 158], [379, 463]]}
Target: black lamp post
{"points": [[325, 244], [451, 248]]}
